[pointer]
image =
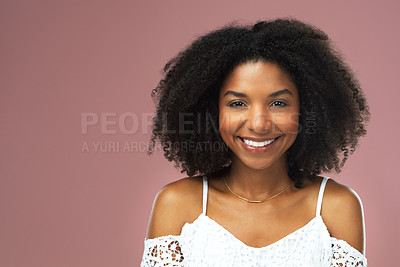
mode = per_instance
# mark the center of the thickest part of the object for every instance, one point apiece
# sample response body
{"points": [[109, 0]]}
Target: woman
{"points": [[258, 113]]}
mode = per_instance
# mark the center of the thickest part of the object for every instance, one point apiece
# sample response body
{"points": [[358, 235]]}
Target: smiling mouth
{"points": [[257, 144]]}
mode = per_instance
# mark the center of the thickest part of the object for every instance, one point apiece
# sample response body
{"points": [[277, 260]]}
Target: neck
{"points": [[257, 184]]}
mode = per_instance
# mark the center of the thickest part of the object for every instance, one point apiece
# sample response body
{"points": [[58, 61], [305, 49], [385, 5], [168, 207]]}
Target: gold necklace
{"points": [[255, 201]]}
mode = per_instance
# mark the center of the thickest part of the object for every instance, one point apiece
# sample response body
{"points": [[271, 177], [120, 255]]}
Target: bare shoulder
{"points": [[343, 215], [174, 205]]}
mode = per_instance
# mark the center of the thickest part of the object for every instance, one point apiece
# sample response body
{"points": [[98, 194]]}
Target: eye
{"points": [[236, 104], [278, 103]]}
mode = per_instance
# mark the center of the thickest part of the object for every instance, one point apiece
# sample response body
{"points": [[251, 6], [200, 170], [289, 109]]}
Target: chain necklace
{"points": [[255, 201]]}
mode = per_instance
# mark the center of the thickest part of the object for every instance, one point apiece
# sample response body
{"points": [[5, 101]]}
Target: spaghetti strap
{"points": [[320, 195], [205, 191]]}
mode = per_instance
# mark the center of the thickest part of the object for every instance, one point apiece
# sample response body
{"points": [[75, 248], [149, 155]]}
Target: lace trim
{"points": [[162, 251], [165, 251], [344, 255]]}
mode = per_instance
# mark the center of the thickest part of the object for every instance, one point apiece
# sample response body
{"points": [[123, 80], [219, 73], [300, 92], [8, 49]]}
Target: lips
{"points": [[257, 145]]}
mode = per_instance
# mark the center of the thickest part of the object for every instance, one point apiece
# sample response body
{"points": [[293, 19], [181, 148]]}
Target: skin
{"points": [[250, 107], [267, 107]]}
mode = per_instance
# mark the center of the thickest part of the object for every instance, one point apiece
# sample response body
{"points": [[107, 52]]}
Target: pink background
{"points": [[61, 206]]}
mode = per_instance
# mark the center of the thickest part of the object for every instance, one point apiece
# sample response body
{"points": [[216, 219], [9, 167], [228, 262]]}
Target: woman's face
{"points": [[259, 114]]}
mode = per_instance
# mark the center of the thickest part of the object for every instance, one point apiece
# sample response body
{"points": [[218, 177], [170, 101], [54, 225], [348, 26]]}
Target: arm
{"points": [[343, 215], [168, 215]]}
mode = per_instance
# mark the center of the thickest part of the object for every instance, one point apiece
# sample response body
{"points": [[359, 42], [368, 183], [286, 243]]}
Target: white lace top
{"points": [[206, 243]]}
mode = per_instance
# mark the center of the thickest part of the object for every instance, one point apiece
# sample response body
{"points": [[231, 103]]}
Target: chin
{"points": [[256, 164]]}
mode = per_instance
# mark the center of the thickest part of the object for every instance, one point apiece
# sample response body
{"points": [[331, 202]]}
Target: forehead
{"points": [[261, 75]]}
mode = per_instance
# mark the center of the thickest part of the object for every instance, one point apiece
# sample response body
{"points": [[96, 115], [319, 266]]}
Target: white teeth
{"points": [[257, 144]]}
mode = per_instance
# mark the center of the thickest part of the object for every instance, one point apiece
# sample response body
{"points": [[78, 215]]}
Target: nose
{"points": [[259, 120]]}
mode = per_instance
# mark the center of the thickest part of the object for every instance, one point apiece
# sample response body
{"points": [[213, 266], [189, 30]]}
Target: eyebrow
{"points": [[280, 92], [277, 93]]}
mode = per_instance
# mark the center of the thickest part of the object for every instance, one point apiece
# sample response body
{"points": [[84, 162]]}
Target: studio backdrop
{"points": [[76, 183]]}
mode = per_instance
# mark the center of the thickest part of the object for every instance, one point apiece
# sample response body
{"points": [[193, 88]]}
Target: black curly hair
{"points": [[333, 109]]}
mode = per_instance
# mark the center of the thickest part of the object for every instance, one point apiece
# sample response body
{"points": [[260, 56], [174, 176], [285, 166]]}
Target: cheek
{"points": [[288, 123], [294, 123], [224, 126], [229, 122]]}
